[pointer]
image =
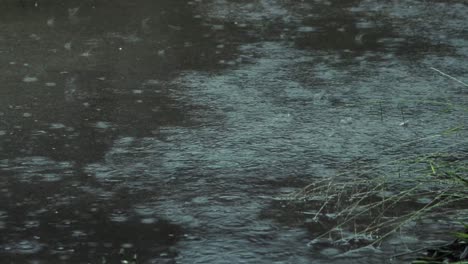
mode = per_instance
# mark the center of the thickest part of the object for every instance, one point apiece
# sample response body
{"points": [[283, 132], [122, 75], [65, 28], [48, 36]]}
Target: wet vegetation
{"points": [[453, 252], [367, 213]]}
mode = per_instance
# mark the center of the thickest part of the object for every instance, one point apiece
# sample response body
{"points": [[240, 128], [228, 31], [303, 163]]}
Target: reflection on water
{"points": [[94, 63], [163, 131], [76, 227]]}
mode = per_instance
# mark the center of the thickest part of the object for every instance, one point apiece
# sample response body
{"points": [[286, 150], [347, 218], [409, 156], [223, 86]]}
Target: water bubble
{"points": [[51, 22], [102, 125], [330, 252], [152, 82], [127, 245], [31, 224], [306, 29], [34, 37], [30, 79], [217, 27], [25, 247], [424, 200], [86, 53], [78, 233], [148, 220], [57, 126], [177, 28], [118, 217], [68, 46], [200, 200], [346, 121]]}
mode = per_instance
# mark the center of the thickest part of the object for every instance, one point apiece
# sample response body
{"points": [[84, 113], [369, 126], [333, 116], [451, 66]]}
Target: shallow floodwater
{"points": [[167, 131]]}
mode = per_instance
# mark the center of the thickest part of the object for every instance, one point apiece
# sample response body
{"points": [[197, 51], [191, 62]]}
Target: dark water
{"points": [[165, 131]]}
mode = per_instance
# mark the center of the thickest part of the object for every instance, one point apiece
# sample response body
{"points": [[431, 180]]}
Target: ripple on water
{"points": [[118, 217], [37, 168], [23, 247], [149, 220]]}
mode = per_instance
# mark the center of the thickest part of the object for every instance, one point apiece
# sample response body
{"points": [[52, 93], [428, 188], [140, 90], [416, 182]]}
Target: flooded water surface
{"points": [[177, 131]]}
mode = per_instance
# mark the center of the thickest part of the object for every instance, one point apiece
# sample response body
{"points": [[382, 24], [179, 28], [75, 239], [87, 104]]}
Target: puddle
{"points": [[177, 132]]}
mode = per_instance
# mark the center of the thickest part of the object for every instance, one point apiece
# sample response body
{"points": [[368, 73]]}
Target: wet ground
{"points": [[163, 131]]}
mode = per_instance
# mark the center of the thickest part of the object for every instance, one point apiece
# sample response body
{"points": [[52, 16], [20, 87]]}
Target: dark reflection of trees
{"points": [[168, 39], [77, 227], [336, 30]]}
